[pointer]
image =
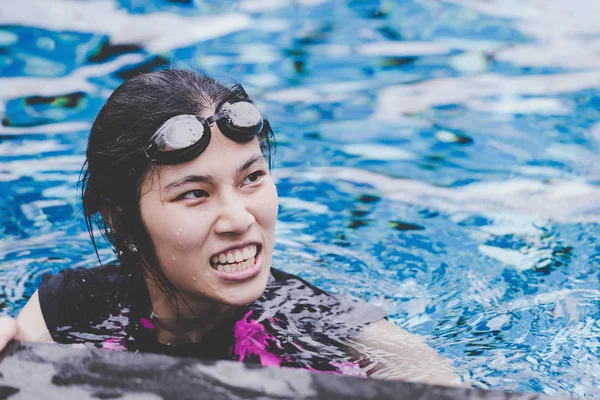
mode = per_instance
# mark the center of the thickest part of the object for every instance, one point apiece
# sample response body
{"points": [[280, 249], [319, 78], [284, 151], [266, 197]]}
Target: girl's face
{"points": [[212, 221]]}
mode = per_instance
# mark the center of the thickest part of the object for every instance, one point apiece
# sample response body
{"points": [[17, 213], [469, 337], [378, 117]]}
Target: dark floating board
{"points": [[52, 371]]}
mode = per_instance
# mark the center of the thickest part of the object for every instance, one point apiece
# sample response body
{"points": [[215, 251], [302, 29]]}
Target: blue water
{"points": [[440, 156]]}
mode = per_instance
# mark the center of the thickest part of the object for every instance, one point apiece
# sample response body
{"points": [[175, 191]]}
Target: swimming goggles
{"points": [[184, 137]]}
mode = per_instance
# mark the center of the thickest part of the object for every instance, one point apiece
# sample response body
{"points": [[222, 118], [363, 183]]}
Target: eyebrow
{"points": [[207, 178], [251, 160], [188, 179]]}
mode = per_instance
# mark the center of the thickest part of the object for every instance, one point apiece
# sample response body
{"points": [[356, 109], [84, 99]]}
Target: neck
{"points": [[186, 318]]}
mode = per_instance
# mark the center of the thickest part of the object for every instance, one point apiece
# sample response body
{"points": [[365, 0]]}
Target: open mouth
{"points": [[236, 260]]}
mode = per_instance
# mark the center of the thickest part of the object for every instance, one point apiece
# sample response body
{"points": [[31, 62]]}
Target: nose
{"points": [[234, 217]]}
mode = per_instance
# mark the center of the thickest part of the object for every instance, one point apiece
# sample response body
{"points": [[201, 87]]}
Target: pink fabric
{"points": [[251, 339], [114, 344], [147, 323]]}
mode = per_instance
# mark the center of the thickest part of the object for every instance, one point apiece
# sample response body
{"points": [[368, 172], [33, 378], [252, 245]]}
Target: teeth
{"points": [[238, 260], [236, 267], [238, 256]]}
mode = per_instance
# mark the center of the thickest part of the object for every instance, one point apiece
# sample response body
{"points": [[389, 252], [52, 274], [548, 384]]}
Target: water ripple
{"points": [[437, 157]]}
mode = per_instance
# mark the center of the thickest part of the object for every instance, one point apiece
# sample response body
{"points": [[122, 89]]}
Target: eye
{"points": [[194, 194], [254, 177]]}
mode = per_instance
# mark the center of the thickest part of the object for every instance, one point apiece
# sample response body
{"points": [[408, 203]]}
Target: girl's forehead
{"points": [[223, 160]]}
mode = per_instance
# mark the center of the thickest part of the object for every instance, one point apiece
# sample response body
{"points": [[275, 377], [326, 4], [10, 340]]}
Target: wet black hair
{"points": [[116, 166]]}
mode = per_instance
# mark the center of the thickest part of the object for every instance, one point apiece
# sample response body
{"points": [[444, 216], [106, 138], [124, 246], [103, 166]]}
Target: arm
{"points": [[390, 352], [29, 326]]}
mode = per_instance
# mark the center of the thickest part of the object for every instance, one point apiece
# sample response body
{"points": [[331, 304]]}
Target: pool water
{"points": [[441, 157]]}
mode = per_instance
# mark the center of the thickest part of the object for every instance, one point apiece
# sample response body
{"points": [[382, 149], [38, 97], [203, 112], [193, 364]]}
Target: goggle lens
{"points": [[184, 137], [242, 114], [178, 133]]}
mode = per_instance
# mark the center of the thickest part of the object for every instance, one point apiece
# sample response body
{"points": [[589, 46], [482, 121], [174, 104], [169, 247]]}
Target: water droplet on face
{"points": [[194, 278], [174, 257], [208, 274]]}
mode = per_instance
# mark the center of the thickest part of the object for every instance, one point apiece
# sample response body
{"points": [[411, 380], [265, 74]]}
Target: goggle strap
{"points": [[185, 154], [220, 115], [151, 151]]}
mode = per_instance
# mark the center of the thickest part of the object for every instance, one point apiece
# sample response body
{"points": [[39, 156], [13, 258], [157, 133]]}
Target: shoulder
{"points": [[294, 296], [296, 292], [281, 278], [78, 296], [108, 274], [78, 284], [311, 325], [300, 290]]}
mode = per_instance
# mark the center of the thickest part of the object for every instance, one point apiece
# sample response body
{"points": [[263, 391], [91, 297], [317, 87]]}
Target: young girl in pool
{"points": [[177, 178]]}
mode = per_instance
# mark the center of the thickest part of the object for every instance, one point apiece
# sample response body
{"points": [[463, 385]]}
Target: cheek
{"points": [[174, 228], [268, 207]]}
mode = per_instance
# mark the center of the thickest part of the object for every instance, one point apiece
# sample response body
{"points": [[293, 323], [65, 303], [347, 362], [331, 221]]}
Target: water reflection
{"points": [[438, 155]]}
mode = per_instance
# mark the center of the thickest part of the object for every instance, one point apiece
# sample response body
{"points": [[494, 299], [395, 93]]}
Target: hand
{"points": [[8, 330]]}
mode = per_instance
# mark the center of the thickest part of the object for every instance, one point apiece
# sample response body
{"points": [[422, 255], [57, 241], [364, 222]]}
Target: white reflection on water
{"points": [[78, 81], [522, 215], [419, 97], [559, 200], [157, 32], [566, 33]]}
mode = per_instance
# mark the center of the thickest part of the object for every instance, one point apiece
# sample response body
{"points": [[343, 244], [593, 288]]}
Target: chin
{"points": [[241, 299], [246, 293]]}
